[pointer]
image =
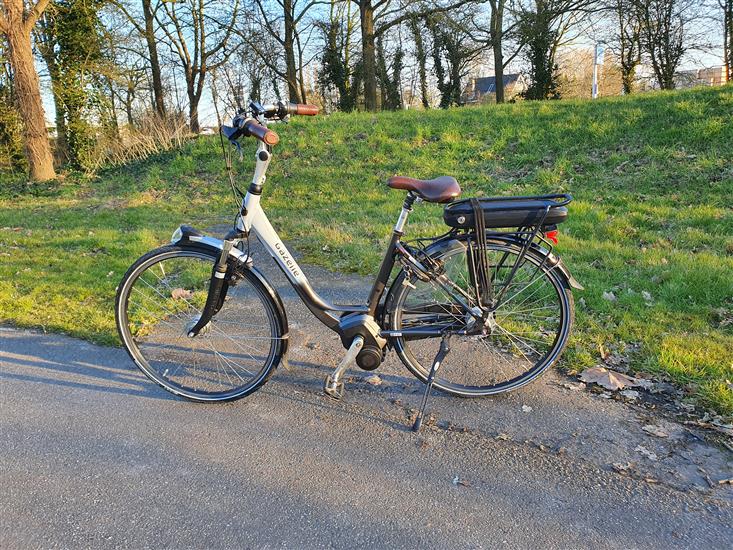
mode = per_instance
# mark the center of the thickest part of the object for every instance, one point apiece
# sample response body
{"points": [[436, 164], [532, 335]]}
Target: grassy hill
{"points": [[652, 221]]}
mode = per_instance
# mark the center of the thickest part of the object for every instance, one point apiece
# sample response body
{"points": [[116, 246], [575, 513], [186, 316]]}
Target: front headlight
{"points": [[177, 235]]}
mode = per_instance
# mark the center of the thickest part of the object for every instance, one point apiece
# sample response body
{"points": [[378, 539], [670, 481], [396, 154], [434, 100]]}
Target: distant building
{"points": [[483, 88], [711, 76]]}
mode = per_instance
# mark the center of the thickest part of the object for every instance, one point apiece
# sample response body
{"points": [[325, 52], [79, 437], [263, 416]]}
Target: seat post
{"points": [[406, 209]]}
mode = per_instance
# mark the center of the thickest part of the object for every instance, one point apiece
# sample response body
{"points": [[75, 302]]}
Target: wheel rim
{"points": [[230, 357], [530, 327]]}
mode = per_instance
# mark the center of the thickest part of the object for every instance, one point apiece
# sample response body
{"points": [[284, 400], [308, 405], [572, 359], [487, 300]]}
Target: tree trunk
{"points": [[728, 38], [291, 69], [158, 97], [497, 28], [28, 92], [193, 106], [421, 58], [499, 71], [368, 51], [129, 98]]}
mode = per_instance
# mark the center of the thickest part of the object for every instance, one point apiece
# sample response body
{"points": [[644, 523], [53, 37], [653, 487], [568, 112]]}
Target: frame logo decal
{"points": [[287, 260]]}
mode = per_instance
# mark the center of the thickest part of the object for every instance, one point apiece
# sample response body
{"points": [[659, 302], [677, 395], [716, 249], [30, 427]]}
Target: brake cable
{"points": [[236, 191]]}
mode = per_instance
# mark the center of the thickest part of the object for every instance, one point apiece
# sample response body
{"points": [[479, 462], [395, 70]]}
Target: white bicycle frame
{"points": [[255, 219]]}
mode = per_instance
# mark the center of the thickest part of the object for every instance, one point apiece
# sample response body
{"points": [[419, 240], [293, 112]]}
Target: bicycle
{"points": [[484, 308]]}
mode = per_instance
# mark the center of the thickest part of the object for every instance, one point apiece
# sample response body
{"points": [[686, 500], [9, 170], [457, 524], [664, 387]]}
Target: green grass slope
{"points": [[652, 221]]}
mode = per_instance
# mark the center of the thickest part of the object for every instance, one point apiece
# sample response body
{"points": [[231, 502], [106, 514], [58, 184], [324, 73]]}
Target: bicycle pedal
{"points": [[333, 390]]}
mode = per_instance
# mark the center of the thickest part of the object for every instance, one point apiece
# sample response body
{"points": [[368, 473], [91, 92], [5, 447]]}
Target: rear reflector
{"points": [[551, 236]]}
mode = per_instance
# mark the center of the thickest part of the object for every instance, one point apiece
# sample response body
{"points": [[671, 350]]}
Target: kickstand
{"points": [[442, 352]]}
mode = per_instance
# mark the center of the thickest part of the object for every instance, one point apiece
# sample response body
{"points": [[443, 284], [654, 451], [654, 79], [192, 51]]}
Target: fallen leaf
{"points": [[651, 429], [647, 297], [646, 452], [526, 408], [181, 294], [574, 387], [374, 380], [630, 394], [503, 437], [609, 379]]}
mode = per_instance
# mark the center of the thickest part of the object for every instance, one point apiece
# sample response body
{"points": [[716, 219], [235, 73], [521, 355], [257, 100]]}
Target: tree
{"points": [[73, 52], [496, 31], [541, 26], [453, 51], [727, 7], [628, 40], [338, 73], [47, 46], [189, 33], [390, 77], [288, 37], [11, 127], [664, 35], [16, 23], [421, 57], [376, 18], [147, 32]]}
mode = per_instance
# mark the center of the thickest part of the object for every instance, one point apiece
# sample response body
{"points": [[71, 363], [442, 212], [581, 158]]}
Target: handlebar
{"points": [[253, 128], [281, 110], [244, 125]]}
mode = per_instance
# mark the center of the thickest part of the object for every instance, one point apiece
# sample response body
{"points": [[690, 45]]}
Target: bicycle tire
{"points": [[155, 334], [417, 354]]}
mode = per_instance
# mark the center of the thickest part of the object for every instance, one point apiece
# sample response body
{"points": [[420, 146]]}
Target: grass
{"points": [[652, 222]]}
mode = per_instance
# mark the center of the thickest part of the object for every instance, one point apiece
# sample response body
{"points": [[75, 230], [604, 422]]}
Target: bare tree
{"points": [[665, 35], [199, 38], [285, 26], [16, 22], [146, 30], [377, 17], [627, 38]]}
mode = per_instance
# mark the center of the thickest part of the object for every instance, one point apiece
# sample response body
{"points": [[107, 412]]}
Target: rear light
{"points": [[551, 236]]}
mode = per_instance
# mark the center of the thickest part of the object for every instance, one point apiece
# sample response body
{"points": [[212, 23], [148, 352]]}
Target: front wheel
{"points": [[160, 299], [520, 340]]}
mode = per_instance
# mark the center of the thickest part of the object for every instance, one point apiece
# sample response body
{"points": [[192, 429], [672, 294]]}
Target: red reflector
{"points": [[551, 236]]}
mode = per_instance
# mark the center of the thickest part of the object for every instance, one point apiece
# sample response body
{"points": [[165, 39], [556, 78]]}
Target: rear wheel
{"points": [[522, 338], [161, 298]]}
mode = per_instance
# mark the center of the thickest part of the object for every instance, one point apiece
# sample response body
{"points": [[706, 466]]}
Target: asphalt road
{"points": [[92, 454]]}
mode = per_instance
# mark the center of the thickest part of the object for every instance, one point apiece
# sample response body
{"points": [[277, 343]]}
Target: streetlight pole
{"points": [[597, 52]]}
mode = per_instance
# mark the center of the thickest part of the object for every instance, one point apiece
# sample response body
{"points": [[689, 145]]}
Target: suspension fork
{"points": [[218, 288]]}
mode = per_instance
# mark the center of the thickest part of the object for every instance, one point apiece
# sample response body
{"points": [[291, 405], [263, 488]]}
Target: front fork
{"points": [[218, 288]]}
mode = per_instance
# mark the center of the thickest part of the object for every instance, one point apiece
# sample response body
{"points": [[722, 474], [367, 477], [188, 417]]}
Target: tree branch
{"points": [[36, 11]]}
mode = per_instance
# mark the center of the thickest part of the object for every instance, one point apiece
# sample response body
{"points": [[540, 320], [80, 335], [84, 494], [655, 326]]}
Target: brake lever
{"points": [[238, 147]]}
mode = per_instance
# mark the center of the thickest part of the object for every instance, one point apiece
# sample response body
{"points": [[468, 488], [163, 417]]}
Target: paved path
{"points": [[94, 455]]}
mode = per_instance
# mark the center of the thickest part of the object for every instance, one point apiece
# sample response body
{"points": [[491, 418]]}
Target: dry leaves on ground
{"points": [[651, 429], [609, 379], [181, 294]]}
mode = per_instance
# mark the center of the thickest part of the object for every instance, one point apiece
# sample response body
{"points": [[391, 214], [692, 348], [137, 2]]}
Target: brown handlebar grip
{"points": [[306, 110], [265, 135]]}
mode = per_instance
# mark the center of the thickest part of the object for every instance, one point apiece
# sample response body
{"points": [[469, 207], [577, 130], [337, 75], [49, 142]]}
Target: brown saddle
{"points": [[442, 189]]}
